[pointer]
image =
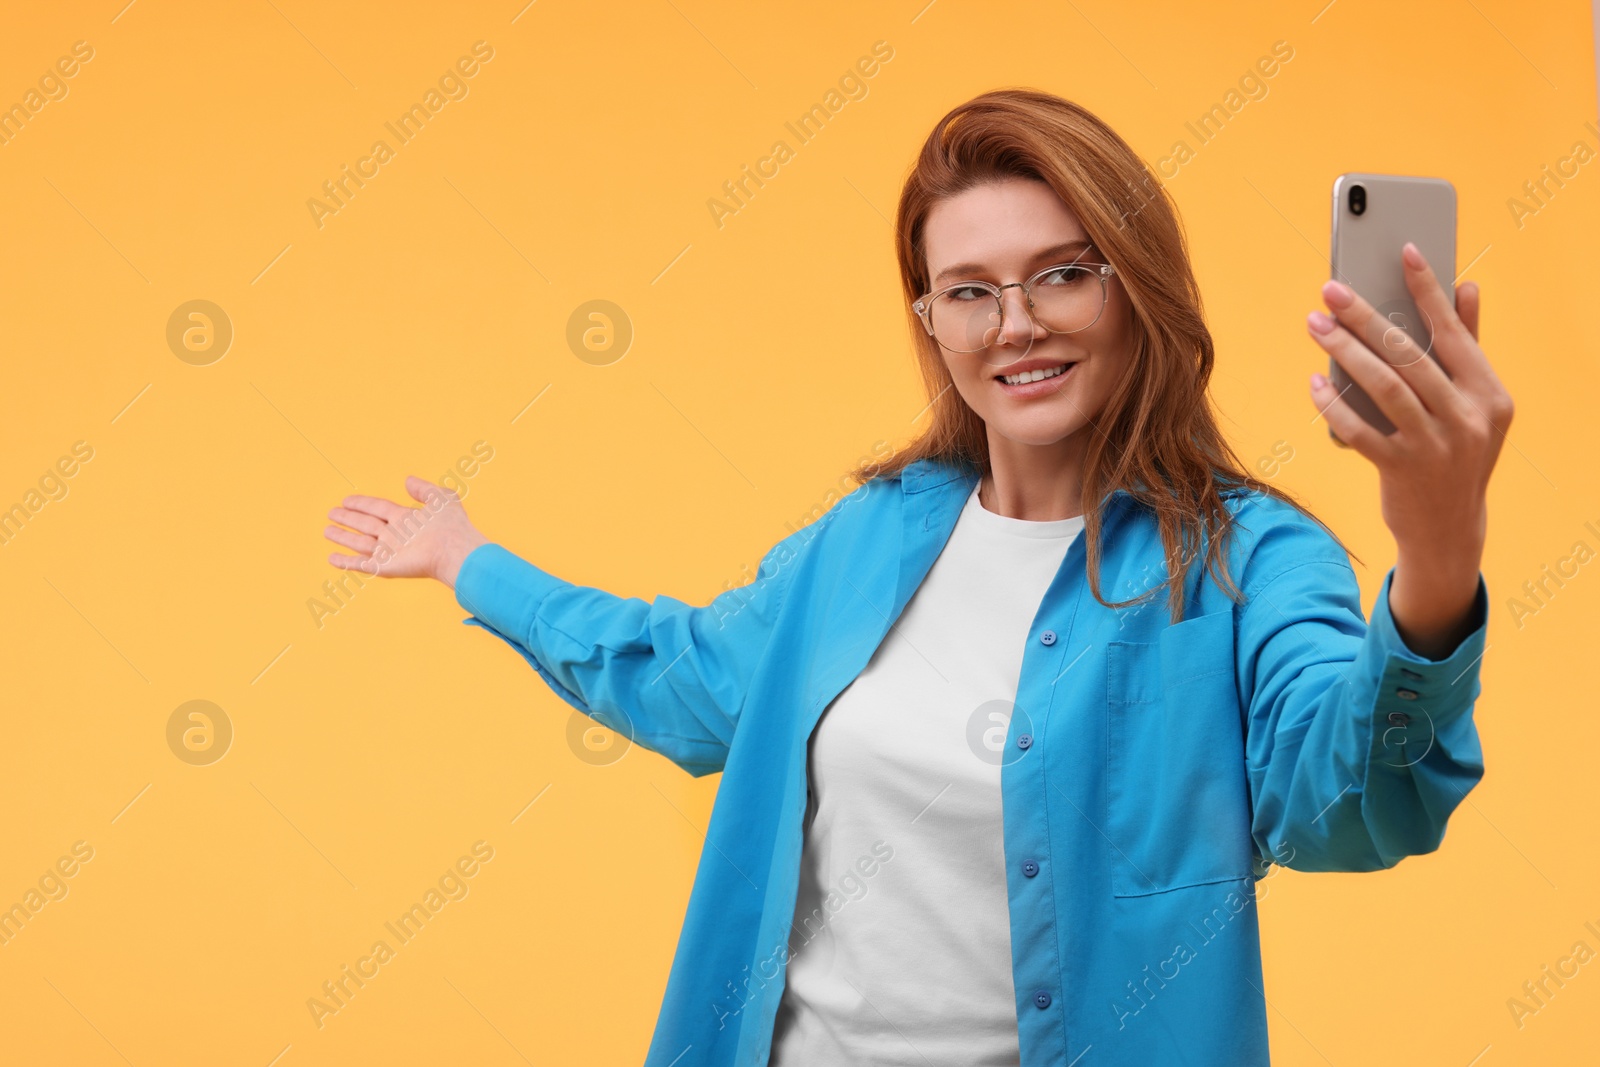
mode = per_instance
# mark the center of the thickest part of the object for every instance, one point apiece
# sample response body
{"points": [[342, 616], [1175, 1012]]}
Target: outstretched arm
{"points": [[665, 674], [1450, 419], [1360, 740]]}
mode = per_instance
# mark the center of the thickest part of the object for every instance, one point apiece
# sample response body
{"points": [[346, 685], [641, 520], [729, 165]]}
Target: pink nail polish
{"points": [[1337, 294]]}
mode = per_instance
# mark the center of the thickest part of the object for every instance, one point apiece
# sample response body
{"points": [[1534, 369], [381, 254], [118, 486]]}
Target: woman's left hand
{"points": [[1450, 419]]}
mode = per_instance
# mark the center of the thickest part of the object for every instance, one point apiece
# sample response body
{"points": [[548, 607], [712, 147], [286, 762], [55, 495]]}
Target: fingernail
{"points": [[1412, 256], [1318, 381], [1320, 322], [1337, 294]]}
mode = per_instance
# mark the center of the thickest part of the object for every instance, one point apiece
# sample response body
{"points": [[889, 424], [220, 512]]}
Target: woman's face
{"points": [[1004, 232]]}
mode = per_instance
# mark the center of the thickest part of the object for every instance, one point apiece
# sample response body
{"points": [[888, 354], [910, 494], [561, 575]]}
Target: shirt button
{"points": [[1398, 718], [1048, 637], [1041, 999], [1024, 740], [1030, 868], [1406, 694]]}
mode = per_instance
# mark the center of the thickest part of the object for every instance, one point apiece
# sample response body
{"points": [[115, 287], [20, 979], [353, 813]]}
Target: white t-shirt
{"points": [[900, 951]]}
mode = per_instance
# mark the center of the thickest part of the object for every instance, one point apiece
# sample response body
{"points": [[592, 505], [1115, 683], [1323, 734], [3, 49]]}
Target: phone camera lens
{"points": [[1358, 199]]}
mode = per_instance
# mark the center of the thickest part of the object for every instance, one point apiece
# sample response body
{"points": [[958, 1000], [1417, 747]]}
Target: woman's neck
{"points": [[1031, 482]]}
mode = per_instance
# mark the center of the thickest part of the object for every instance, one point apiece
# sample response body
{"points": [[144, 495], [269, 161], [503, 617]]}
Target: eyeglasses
{"points": [[968, 316]]}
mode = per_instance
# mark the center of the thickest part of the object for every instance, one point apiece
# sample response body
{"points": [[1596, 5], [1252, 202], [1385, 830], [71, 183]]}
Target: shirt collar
{"points": [[932, 471]]}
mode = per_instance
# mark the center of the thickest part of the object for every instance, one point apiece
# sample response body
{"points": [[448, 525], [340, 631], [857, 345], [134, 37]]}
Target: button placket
{"points": [[1050, 661]]}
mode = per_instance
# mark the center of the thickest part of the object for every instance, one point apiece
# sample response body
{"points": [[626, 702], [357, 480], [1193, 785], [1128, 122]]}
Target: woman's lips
{"points": [[1043, 387]]}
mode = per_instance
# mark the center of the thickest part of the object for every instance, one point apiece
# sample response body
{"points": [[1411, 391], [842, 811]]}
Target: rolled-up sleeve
{"points": [[667, 675], [1357, 748]]}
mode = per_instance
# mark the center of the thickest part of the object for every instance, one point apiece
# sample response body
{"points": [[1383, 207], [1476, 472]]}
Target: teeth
{"points": [[1034, 376]]}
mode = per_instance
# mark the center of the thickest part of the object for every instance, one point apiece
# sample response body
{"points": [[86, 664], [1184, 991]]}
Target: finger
{"points": [[1454, 344], [426, 492], [1389, 338], [1467, 306], [387, 510], [1430, 296], [1392, 393], [1355, 431], [350, 563], [358, 541], [357, 520]]}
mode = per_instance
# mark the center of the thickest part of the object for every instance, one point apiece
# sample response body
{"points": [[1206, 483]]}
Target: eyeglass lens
{"points": [[1065, 299]]}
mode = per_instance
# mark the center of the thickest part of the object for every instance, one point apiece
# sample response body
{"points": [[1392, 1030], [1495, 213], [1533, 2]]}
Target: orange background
{"points": [[370, 752]]}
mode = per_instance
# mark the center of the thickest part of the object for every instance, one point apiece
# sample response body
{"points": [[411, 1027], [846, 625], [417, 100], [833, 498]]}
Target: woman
{"points": [[970, 813]]}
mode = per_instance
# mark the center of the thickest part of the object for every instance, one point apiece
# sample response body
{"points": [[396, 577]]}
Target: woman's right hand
{"points": [[394, 541]]}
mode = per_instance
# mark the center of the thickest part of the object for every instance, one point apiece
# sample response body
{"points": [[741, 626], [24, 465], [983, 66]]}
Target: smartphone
{"points": [[1373, 216]]}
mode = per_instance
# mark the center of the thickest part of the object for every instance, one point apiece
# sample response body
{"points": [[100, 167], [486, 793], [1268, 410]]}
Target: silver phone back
{"points": [[1365, 255]]}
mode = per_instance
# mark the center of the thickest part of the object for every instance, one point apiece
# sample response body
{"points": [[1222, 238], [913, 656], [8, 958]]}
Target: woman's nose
{"points": [[1017, 326]]}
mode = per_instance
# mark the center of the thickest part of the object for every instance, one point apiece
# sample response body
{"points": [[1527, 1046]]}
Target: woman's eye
{"points": [[1064, 276], [968, 292]]}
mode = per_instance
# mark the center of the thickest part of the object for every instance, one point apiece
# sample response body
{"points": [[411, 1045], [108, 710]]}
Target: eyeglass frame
{"points": [[923, 305]]}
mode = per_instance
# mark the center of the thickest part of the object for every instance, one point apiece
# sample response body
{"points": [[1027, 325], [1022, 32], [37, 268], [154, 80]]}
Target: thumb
{"points": [[425, 492]]}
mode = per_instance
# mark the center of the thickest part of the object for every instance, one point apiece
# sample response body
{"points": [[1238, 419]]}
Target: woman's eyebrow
{"points": [[1062, 249]]}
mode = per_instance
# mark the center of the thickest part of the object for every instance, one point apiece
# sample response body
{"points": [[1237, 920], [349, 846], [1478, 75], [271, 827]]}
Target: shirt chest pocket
{"points": [[1177, 795]]}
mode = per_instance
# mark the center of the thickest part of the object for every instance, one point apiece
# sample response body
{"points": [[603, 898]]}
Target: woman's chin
{"points": [[1040, 431]]}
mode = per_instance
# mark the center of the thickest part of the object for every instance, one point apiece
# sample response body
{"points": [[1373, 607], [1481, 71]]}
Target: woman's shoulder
{"points": [[1272, 534], [918, 475], [854, 514]]}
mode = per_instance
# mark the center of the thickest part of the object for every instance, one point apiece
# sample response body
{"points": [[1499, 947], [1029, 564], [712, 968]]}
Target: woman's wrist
{"points": [[455, 554], [1431, 602]]}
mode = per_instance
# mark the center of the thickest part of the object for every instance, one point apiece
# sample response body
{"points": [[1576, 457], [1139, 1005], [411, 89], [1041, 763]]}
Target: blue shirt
{"points": [[1158, 770]]}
